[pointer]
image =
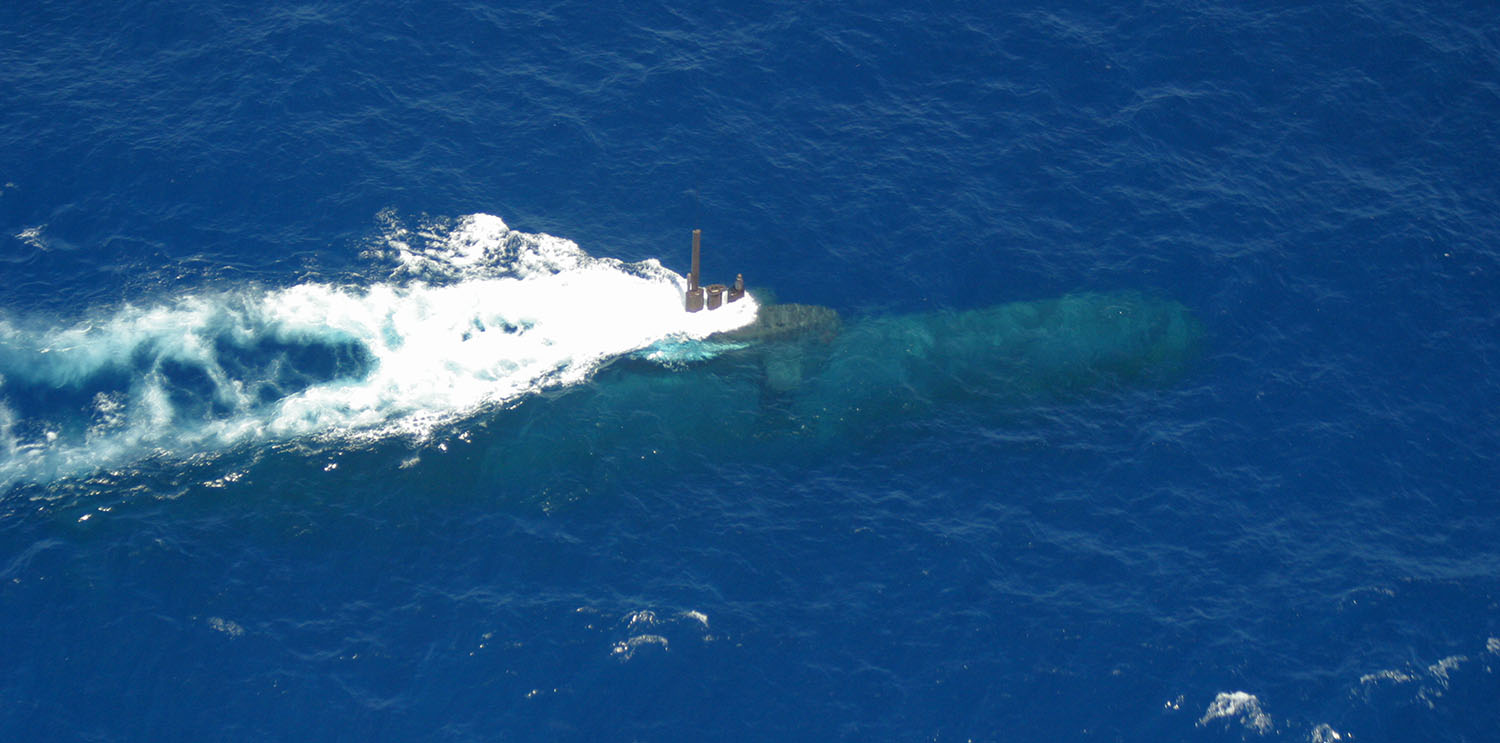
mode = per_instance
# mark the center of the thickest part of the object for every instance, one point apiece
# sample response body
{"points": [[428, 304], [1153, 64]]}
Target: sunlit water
{"points": [[345, 391]]}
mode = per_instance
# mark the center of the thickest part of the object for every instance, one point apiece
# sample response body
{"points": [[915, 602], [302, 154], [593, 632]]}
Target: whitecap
{"points": [[477, 316], [1238, 705]]}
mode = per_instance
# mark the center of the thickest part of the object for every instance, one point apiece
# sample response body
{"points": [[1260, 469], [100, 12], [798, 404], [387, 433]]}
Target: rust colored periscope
{"points": [[713, 296], [694, 293]]}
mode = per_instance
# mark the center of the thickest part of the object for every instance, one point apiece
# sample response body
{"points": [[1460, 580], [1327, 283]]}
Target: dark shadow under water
{"points": [[814, 386]]}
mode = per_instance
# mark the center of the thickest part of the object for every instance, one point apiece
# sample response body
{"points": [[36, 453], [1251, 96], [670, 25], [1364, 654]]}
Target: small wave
{"points": [[1324, 733], [33, 236], [1239, 705], [475, 315], [1430, 682]]}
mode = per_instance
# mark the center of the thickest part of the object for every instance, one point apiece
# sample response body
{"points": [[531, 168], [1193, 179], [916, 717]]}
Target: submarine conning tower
{"points": [[714, 295]]}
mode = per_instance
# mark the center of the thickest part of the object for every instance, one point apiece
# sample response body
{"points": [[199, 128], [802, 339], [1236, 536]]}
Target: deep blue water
{"points": [[1296, 539]]}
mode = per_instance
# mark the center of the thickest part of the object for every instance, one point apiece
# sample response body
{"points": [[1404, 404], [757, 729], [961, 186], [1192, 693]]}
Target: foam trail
{"points": [[476, 315]]}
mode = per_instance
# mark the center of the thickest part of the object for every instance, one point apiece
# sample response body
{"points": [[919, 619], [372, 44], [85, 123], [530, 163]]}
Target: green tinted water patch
{"points": [[1012, 354], [272, 368], [800, 390]]}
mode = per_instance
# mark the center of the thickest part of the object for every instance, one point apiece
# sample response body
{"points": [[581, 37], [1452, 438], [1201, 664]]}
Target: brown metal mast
{"points": [[695, 294], [716, 294]]}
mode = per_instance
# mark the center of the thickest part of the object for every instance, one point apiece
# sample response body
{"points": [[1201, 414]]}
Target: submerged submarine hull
{"points": [[1017, 353], [803, 380]]}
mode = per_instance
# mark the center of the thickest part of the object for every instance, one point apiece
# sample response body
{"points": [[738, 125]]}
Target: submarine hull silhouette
{"points": [[1045, 351], [804, 380]]}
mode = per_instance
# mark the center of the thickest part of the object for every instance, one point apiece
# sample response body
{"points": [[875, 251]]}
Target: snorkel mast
{"points": [[712, 296]]}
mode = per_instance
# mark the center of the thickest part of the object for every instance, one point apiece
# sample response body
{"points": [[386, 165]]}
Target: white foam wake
{"points": [[475, 315]]}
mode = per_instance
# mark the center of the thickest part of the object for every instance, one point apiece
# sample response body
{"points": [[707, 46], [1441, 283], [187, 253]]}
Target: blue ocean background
{"points": [[1297, 539]]}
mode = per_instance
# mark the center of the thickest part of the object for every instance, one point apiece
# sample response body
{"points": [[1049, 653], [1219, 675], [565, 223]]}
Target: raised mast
{"points": [[697, 258], [716, 294]]}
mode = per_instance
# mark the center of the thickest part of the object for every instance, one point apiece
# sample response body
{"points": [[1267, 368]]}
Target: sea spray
{"points": [[475, 316]]}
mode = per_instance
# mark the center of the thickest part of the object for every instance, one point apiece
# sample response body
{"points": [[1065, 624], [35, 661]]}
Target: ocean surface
{"points": [[345, 393]]}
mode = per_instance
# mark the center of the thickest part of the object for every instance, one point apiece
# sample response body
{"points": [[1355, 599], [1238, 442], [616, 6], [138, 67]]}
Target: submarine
{"points": [[803, 381], [207, 373]]}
